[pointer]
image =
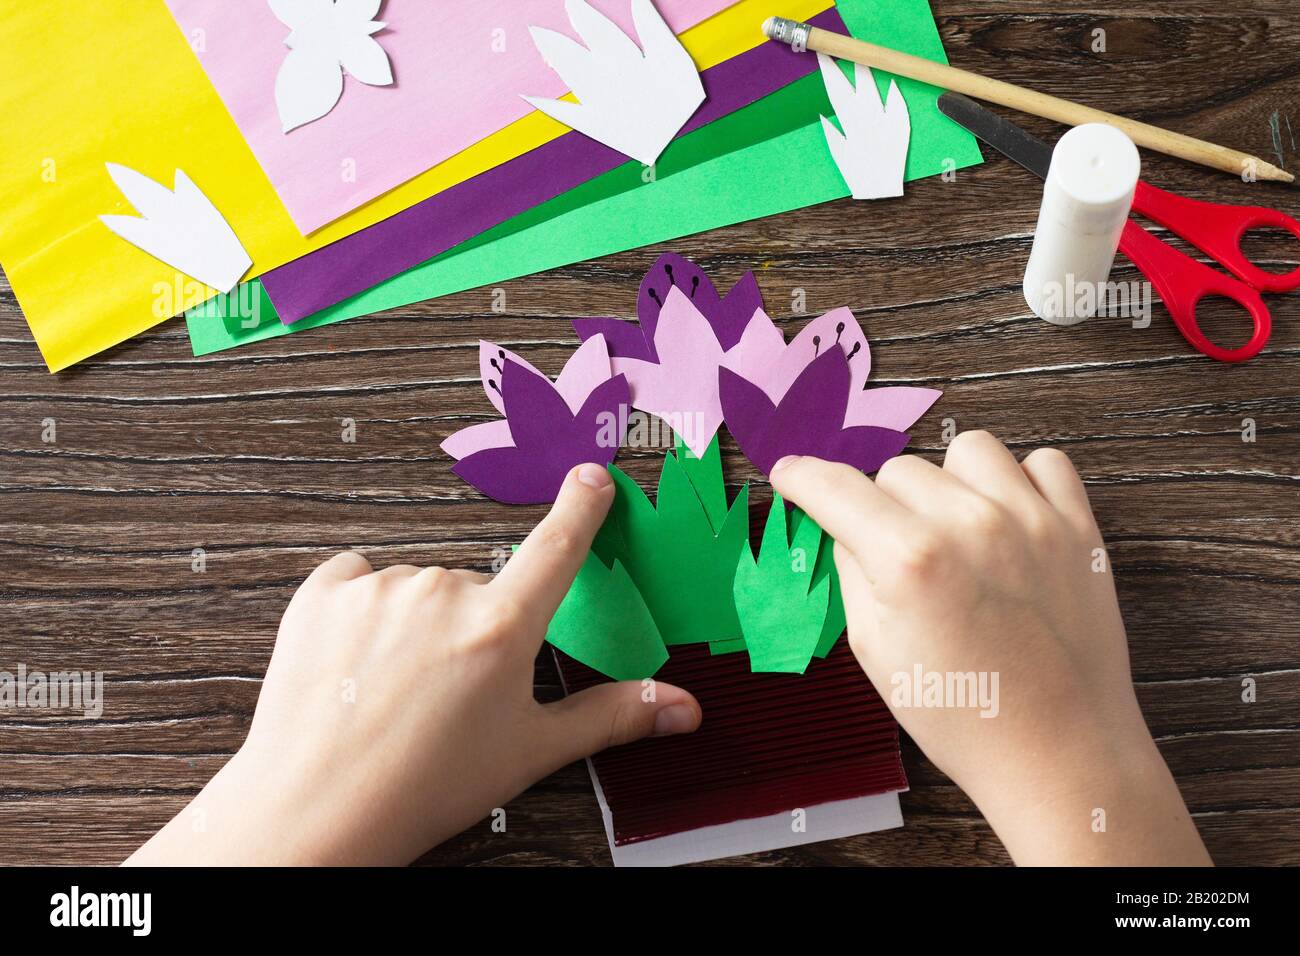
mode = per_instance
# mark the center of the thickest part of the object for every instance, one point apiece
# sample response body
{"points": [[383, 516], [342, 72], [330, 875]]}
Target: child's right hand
{"points": [[989, 565]]}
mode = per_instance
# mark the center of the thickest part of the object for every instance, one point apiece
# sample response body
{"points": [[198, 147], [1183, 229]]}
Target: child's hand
{"points": [[995, 567], [398, 708]]}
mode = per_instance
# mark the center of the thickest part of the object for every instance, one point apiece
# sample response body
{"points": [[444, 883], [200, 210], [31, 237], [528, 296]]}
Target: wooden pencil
{"points": [[801, 36]]}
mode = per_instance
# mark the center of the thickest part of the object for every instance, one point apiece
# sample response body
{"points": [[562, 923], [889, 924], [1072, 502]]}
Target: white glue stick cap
{"points": [[1086, 202]]}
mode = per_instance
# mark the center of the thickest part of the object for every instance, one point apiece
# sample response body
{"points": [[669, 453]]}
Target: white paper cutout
{"points": [[180, 227], [871, 153], [632, 99], [326, 38]]}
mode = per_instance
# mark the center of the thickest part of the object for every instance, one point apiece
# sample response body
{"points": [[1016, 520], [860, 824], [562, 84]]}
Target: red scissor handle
{"points": [[1183, 282], [1217, 230]]}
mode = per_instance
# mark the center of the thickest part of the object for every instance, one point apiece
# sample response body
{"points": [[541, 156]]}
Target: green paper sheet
{"points": [[604, 623], [767, 158], [682, 568], [781, 611]]}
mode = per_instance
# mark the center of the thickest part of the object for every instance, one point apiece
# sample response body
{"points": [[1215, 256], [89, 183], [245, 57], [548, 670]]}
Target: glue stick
{"points": [[1086, 201]]}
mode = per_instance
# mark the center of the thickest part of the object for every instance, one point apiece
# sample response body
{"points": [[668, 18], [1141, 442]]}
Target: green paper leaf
{"points": [[604, 623], [781, 610], [717, 175], [833, 628], [682, 568], [705, 475]]}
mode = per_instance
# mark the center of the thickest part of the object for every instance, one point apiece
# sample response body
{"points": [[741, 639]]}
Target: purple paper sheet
{"points": [[429, 228]]}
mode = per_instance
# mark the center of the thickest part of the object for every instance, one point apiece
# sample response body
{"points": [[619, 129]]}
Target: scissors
{"points": [[1215, 229]]}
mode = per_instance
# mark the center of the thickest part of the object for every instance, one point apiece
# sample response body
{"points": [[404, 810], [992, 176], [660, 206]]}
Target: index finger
{"points": [[539, 574], [848, 505]]}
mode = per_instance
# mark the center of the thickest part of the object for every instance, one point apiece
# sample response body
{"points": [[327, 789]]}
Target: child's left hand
{"points": [[398, 708]]}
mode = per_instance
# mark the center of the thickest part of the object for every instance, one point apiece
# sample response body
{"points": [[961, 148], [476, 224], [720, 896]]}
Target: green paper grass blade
{"points": [[604, 623], [681, 567], [718, 175], [835, 623], [833, 627], [781, 611], [705, 475]]}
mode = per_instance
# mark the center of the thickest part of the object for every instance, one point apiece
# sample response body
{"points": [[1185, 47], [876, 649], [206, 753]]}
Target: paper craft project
{"points": [[631, 98], [871, 152], [460, 67], [328, 37], [604, 623], [684, 555], [81, 288], [665, 575], [351, 265], [781, 610], [546, 439], [179, 227]]}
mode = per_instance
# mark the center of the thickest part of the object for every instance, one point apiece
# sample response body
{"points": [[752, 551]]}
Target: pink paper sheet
{"points": [[451, 89]]}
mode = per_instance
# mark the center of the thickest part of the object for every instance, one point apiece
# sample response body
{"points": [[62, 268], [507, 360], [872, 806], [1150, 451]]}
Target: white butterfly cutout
{"points": [[871, 153], [180, 227], [326, 37]]}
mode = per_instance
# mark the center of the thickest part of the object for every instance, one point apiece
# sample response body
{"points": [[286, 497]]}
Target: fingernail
{"points": [[787, 460], [594, 476], [677, 719]]}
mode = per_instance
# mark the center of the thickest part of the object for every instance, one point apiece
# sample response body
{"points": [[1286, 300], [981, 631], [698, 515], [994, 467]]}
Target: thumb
{"points": [[608, 715]]}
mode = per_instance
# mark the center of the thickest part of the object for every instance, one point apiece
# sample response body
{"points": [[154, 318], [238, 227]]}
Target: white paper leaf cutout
{"points": [[326, 37], [180, 227], [871, 153], [632, 99]]}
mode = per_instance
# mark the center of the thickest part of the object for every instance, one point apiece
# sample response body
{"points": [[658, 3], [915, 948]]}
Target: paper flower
{"points": [[632, 99], [549, 426], [765, 359], [586, 368], [772, 365], [326, 37], [180, 227], [681, 384], [871, 152], [728, 315], [808, 420]]}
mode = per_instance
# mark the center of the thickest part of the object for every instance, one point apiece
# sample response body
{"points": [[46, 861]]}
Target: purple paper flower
{"points": [[548, 438], [808, 420], [728, 316]]}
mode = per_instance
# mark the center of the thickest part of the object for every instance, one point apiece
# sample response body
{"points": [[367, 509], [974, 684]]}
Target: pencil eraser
{"points": [[1086, 201]]}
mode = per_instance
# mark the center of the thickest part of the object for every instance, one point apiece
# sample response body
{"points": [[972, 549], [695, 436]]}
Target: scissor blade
{"points": [[1003, 135]]}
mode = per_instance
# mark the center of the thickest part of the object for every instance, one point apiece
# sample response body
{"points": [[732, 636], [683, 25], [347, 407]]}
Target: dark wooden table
{"points": [[240, 454]]}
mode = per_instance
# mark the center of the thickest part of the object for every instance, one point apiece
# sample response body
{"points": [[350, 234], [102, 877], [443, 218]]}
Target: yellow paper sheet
{"points": [[82, 84]]}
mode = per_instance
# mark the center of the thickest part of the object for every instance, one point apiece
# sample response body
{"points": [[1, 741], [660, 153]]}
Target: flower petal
{"points": [[896, 406]]}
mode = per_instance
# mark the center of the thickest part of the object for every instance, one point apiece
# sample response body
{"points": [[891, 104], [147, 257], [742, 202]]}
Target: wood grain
{"points": [[240, 454]]}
